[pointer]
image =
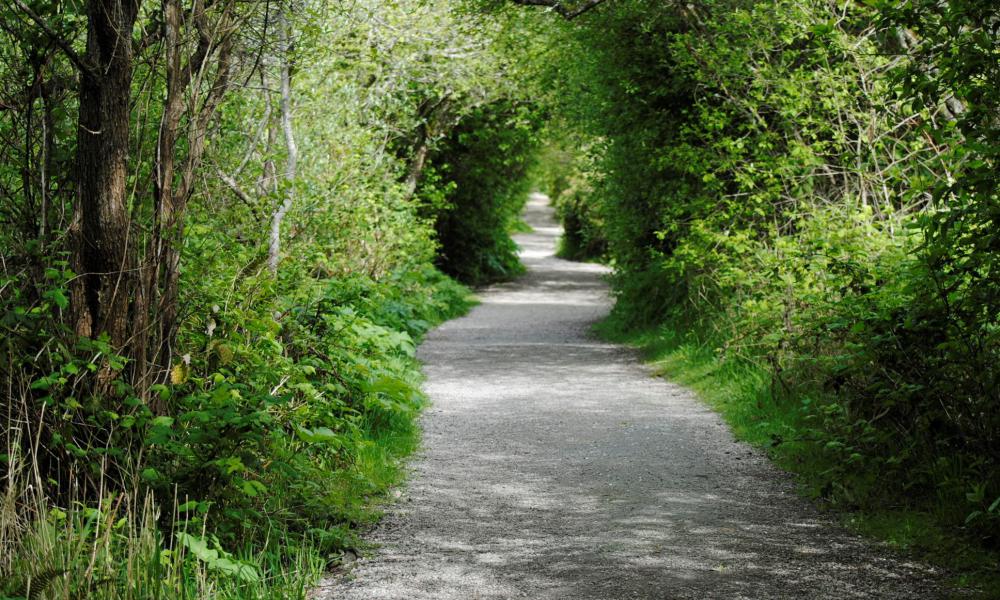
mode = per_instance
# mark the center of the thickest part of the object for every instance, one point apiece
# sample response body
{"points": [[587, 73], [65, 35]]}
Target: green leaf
{"points": [[217, 559], [163, 422], [252, 488], [319, 435], [393, 387], [58, 297]]}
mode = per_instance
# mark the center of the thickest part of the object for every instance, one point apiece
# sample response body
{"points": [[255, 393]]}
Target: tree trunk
{"points": [[45, 164], [174, 173], [103, 249], [435, 120], [292, 151]]}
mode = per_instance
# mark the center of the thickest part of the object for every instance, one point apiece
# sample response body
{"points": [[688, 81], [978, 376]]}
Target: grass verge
{"points": [[776, 422]]}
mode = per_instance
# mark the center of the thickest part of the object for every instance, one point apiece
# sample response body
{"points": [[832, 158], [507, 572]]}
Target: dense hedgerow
{"points": [[811, 189], [567, 176], [479, 187], [284, 425], [231, 434]]}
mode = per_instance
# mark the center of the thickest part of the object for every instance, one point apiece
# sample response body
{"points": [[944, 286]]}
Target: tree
{"points": [[127, 269], [568, 13]]}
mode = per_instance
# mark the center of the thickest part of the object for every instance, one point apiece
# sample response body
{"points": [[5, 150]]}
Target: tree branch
{"points": [[75, 58], [558, 7], [244, 197]]}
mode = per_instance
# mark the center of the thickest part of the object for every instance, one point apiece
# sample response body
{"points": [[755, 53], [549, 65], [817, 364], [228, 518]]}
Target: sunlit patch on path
{"points": [[555, 466]]}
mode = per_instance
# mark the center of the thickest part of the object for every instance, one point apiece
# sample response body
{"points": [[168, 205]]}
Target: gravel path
{"points": [[555, 466]]}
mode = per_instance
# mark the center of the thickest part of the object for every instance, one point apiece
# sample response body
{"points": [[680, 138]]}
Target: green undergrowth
{"points": [[289, 423], [782, 422]]}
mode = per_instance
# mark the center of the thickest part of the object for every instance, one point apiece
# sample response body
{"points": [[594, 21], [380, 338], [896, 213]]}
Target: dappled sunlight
{"points": [[520, 300], [574, 541], [557, 466]]}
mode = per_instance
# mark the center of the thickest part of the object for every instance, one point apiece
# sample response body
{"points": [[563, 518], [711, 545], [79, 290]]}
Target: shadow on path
{"points": [[555, 466]]}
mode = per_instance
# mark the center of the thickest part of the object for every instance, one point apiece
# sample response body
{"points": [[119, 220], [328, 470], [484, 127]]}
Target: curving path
{"points": [[555, 466]]}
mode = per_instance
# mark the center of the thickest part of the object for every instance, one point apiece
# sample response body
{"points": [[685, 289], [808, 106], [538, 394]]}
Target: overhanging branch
{"points": [[57, 39], [560, 8]]}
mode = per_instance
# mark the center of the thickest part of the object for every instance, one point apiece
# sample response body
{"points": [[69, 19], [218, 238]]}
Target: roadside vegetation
{"points": [[799, 200], [225, 226]]}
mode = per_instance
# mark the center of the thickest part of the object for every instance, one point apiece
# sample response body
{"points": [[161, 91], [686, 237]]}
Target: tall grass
{"points": [[124, 547]]}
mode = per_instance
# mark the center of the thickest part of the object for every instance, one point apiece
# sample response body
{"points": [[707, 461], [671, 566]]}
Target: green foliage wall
{"points": [[566, 172], [785, 182], [293, 393], [478, 189]]}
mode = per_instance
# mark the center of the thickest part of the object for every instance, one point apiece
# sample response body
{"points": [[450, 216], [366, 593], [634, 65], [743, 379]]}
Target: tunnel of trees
{"points": [[225, 225]]}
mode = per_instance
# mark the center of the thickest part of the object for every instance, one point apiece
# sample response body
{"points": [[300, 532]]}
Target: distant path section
{"points": [[555, 466]]}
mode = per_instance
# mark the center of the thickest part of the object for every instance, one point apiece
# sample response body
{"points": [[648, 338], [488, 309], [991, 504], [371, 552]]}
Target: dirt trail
{"points": [[555, 466]]}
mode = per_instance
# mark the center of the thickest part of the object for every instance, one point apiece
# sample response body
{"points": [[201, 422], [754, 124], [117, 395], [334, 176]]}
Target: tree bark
{"points": [[434, 121], [174, 172], [103, 255], [292, 151]]}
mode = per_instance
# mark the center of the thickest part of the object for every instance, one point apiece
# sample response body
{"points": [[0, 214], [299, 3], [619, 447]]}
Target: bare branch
{"points": [[292, 151], [244, 197], [558, 7]]}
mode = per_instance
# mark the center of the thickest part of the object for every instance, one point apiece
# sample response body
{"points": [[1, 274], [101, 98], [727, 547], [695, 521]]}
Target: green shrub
{"points": [[785, 184], [567, 177], [480, 170], [272, 414]]}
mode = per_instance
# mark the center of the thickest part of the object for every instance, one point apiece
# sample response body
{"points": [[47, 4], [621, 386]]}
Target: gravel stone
{"points": [[555, 465]]}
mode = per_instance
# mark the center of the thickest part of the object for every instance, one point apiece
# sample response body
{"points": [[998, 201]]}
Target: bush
{"points": [[282, 425], [479, 180], [770, 188], [275, 411], [567, 177]]}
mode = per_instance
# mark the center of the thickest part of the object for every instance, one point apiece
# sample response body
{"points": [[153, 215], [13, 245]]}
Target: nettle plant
{"points": [[275, 410]]}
